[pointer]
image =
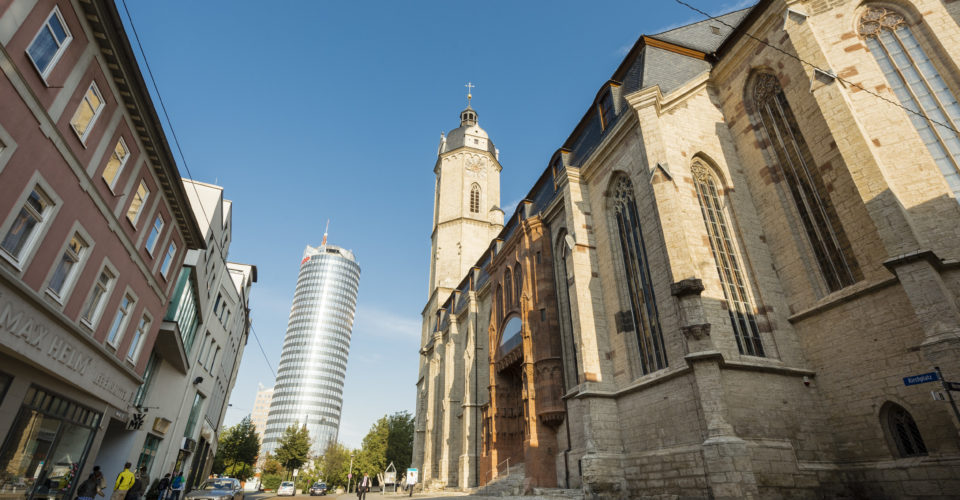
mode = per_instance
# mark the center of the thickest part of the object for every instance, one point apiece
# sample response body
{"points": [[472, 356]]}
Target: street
{"points": [[371, 496]]}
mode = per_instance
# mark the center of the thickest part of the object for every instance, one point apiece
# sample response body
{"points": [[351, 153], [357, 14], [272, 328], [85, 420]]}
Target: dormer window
{"points": [[605, 108]]}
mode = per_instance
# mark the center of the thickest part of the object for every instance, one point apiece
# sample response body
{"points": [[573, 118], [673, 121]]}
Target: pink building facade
{"points": [[94, 226]]}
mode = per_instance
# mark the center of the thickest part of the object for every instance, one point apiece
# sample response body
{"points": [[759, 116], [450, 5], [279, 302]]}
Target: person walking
{"points": [[89, 488], [176, 486], [139, 485], [124, 482], [101, 481], [363, 487], [411, 483], [163, 487]]}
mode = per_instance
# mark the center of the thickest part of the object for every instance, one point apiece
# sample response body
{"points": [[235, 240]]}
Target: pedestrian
{"points": [[176, 486], [101, 481], [411, 483], [139, 485], [124, 482], [163, 487], [363, 487], [403, 484], [89, 487]]}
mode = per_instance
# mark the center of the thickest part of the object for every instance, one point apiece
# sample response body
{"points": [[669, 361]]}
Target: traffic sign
{"points": [[921, 379], [951, 386]]}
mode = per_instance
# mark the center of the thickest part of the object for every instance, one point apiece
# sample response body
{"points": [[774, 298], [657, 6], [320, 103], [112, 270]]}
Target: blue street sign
{"points": [[921, 379]]}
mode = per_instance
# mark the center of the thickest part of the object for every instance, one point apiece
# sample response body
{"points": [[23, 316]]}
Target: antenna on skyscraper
{"points": [[324, 242]]}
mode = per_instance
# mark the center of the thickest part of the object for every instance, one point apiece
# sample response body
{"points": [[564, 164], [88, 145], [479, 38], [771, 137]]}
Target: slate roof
{"points": [[705, 36]]}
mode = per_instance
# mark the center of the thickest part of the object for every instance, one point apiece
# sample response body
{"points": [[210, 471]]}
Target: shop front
{"points": [[60, 395]]}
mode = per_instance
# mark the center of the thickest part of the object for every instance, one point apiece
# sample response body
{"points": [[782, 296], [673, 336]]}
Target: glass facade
{"points": [[313, 363]]}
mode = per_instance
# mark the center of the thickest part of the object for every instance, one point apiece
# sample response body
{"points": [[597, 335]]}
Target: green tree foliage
{"points": [[334, 465], [237, 451], [271, 481], [271, 465], [400, 441], [294, 447], [390, 439]]}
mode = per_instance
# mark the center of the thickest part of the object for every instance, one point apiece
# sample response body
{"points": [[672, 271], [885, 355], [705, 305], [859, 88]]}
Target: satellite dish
{"points": [[569, 240]]}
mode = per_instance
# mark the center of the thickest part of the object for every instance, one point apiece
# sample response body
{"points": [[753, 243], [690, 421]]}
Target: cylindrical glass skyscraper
{"points": [[313, 363]]}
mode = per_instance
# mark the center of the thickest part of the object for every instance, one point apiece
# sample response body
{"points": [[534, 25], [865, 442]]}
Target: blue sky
{"points": [[310, 110]]}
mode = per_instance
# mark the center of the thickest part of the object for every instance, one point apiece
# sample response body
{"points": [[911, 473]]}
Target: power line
{"points": [[183, 157], [814, 66]]}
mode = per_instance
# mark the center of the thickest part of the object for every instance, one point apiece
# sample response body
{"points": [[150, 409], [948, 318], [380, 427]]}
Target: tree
{"points": [[271, 465], [372, 458], [294, 447], [400, 441], [237, 450], [335, 465]]}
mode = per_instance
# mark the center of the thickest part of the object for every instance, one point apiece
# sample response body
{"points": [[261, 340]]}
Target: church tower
{"points": [[466, 207]]}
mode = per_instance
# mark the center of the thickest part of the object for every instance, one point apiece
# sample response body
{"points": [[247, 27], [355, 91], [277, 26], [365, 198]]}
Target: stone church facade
{"points": [[720, 280]]}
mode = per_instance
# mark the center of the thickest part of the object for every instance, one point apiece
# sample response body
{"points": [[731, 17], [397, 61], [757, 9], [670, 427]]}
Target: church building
{"points": [[724, 281]]}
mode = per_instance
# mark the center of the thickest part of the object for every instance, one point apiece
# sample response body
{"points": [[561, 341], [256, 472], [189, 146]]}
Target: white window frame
{"points": [[73, 273], [96, 112], [22, 261], [168, 260], [123, 163], [121, 328], [97, 313], [143, 202], [156, 230], [140, 334], [7, 147], [44, 73]]}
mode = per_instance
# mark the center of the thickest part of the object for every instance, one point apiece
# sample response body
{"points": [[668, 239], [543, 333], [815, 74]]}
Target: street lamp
{"points": [[350, 475]]}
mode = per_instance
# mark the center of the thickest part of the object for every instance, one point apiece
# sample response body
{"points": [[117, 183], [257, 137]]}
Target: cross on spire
{"points": [[470, 86]]}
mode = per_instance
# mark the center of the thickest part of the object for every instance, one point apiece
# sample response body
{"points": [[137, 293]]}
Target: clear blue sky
{"points": [[309, 110]]}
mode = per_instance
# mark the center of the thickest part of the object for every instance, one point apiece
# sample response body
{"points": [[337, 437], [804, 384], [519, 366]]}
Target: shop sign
{"points": [[32, 335]]}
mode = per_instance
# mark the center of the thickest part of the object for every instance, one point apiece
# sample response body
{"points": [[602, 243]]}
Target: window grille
{"points": [[475, 199], [919, 87], [903, 429], [739, 306], [817, 215], [643, 305]]}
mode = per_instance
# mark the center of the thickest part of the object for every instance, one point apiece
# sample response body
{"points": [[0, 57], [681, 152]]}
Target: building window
{"points": [[508, 289], [194, 414], [118, 159], [148, 373], [28, 223], [168, 260], [154, 234], [120, 321], [49, 43], [517, 283], [87, 112], [903, 431], [499, 299], [817, 215], [919, 87], [66, 268], [643, 305], [91, 312], [150, 446], [475, 199], [571, 368], [605, 108], [740, 307], [139, 200], [133, 353]]}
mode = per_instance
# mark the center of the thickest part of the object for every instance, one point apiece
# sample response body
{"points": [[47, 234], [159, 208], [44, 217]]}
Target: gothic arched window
{"points": [[735, 289], [475, 199], [918, 85], [499, 300], [902, 430], [517, 283], [507, 288], [563, 305], [643, 304], [817, 215]]}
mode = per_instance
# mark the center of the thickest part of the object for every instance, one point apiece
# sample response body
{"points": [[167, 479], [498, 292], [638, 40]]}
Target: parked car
{"points": [[222, 488], [286, 488], [318, 489]]}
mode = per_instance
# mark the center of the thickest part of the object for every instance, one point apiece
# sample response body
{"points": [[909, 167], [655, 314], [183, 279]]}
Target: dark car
{"points": [[318, 489]]}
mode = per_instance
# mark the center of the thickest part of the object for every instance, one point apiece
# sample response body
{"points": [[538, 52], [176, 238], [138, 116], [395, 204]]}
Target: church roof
{"points": [[704, 36], [468, 134]]}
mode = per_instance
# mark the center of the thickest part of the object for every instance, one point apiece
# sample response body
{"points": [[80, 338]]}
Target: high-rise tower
{"points": [[313, 363]]}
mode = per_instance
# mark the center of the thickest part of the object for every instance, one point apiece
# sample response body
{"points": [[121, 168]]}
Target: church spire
{"points": [[468, 116]]}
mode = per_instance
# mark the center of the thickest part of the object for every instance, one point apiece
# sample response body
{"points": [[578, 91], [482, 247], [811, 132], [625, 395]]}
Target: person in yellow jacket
{"points": [[124, 482]]}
